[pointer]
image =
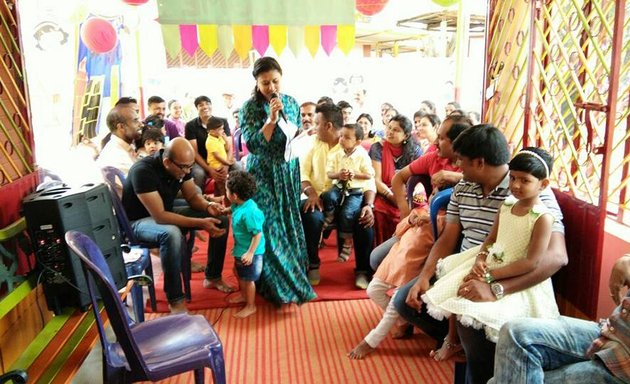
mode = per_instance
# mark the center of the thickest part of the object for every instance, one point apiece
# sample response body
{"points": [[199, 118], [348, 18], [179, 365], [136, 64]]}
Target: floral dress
{"points": [[513, 238], [283, 278]]}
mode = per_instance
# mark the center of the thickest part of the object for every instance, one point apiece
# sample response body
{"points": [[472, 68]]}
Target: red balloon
{"points": [[99, 35], [135, 2], [370, 7]]}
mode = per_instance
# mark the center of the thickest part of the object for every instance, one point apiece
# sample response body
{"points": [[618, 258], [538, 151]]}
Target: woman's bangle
{"points": [[306, 189], [484, 253]]}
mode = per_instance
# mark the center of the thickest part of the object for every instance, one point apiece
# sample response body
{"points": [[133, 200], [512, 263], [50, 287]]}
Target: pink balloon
{"points": [[135, 2], [99, 35]]}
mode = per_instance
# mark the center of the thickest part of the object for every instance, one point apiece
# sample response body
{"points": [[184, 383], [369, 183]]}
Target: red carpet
{"points": [[337, 280]]}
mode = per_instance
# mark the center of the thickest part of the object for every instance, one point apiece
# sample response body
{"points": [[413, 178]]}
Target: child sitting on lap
{"points": [[219, 151], [249, 241], [351, 171], [151, 141]]}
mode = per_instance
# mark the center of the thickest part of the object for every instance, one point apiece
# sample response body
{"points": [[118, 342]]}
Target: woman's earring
{"points": [[405, 142]]}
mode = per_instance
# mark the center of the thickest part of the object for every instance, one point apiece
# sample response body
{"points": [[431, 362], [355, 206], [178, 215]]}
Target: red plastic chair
{"points": [[152, 350]]}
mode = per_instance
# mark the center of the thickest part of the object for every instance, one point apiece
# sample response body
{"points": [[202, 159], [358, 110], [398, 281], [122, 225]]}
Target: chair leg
{"points": [[199, 376], [138, 302], [217, 364], [152, 300], [186, 265]]}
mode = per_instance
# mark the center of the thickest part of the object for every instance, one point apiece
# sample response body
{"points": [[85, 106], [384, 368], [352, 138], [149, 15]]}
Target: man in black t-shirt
{"points": [[148, 197], [197, 133]]}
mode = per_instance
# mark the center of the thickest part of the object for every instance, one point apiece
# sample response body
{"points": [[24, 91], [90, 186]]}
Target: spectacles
{"points": [[184, 167]]}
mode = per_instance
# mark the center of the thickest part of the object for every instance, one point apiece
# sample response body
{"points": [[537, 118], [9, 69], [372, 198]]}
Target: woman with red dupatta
{"points": [[395, 152]]}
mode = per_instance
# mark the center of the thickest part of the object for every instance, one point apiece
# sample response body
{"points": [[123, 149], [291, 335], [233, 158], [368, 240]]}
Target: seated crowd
{"points": [[481, 289]]}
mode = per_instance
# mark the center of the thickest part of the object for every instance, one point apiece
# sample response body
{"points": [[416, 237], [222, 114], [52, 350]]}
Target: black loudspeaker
{"points": [[49, 215]]}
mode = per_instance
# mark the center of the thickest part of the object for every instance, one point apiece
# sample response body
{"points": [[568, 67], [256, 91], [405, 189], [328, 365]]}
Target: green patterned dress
{"points": [[283, 278]]}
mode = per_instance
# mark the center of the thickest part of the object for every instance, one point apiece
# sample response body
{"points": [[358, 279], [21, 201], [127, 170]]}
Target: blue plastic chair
{"points": [[439, 201], [152, 350], [111, 174]]}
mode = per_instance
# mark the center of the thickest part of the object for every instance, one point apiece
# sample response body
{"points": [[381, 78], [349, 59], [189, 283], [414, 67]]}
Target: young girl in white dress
{"points": [[519, 237]]}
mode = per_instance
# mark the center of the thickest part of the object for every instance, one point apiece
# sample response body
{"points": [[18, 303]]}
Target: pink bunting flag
{"points": [[260, 37], [329, 38], [188, 35]]}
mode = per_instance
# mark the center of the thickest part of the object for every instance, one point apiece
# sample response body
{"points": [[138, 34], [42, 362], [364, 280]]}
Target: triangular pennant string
{"points": [[278, 38], [311, 38], [260, 38], [172, 41], [329, 38], [225, 40], [296, 39], [188, 34], [345, 38], [208, 39], [242, 40]]}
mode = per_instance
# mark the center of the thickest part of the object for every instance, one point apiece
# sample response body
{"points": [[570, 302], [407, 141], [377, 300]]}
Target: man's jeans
{"points": [[363, 239], [550, 351], [172, 243]]}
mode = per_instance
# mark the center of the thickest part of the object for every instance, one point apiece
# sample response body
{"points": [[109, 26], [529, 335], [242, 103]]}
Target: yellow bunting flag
{"points": [[311, 38], [172, 42], [208, 40], [224, 37], [242, 40], [278, 38], [296, 39], [345, 38]]}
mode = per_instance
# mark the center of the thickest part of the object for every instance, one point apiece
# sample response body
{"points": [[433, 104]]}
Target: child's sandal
{"points": [[344, 255]]}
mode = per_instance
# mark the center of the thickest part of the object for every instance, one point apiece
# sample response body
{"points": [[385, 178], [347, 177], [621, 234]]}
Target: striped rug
{"points": [[308, 344]]}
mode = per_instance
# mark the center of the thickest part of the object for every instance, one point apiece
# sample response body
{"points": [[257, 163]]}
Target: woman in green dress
{"points": [[283, 279]]}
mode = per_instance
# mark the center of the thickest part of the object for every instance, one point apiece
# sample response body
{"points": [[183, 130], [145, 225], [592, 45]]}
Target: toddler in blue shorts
{"points": [[249, 241]]}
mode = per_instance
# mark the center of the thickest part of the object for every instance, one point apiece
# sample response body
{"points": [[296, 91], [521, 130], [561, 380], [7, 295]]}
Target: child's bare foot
{"points": [[360, 351], [236, 299], [448, 351], [246, 311]]}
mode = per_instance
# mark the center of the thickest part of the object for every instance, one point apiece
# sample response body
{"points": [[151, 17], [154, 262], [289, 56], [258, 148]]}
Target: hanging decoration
{"points": [[190, 42], [445, 3], [247, 25], [135, 3], [208, 38], [329, 38], [371, 7], [260, 38], [99, 35]]}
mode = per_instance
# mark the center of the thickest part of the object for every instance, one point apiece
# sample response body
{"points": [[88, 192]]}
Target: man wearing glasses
{"points": [[148, 197]]}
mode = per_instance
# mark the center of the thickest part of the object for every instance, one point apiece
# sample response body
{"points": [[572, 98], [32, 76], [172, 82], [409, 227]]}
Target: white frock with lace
{"points": [[513, 236]]}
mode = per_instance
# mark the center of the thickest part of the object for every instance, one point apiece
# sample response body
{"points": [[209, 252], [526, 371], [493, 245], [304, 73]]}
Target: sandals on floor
{"points": [[344, 255]]}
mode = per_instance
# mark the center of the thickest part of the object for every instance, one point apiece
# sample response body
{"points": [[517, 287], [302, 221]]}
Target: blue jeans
{"points": [[199, 176], [479, 350], [381, 250], [249, 272], [363, 239], [347, 210], [173, 246], [550, 351]]}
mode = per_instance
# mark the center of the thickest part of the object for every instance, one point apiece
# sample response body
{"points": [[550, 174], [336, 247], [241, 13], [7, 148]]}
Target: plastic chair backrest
{"points": [[439, 201], [110, 175], [97, 274]]}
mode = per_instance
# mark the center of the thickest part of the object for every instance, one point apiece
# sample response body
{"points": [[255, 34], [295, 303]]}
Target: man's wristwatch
{"points": [[370, 205], [497, 290]]}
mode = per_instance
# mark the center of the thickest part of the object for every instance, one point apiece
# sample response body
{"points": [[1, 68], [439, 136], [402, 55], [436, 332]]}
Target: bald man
{"points": [[148, 196]]}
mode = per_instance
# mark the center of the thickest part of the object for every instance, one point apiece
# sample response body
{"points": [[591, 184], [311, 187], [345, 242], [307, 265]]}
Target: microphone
{"points": [[281, 112]]}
